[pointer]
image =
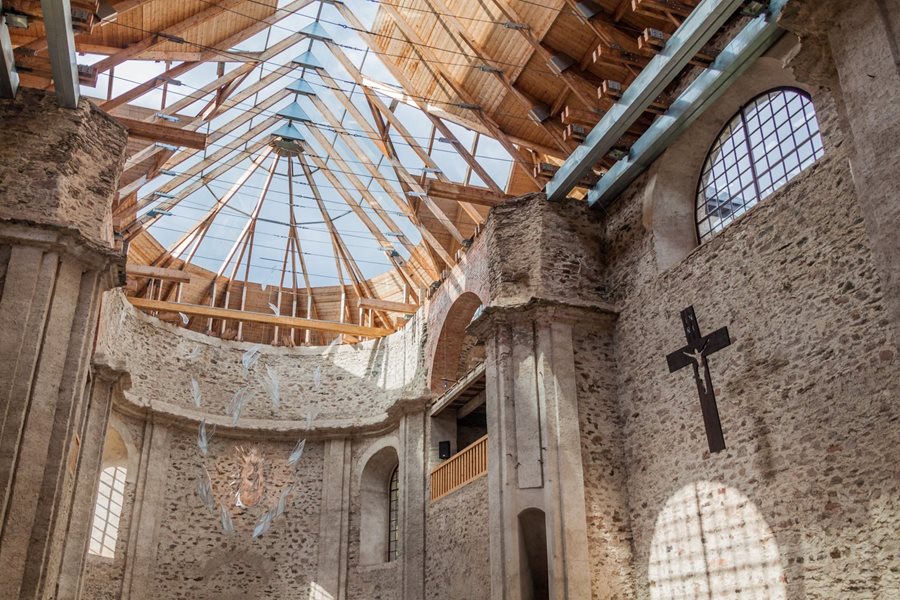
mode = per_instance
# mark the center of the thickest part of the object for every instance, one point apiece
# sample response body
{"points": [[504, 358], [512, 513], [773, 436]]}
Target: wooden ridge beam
{"points": [[214, 312], [458, 192], [166, 134], [176, 275], [387, 305]]}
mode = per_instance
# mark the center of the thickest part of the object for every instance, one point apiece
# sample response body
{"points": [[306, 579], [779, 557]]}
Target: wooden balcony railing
{"points": [[466, 465]]}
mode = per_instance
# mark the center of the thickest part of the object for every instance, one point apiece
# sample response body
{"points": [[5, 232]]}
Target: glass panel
{"points": [[769, 143]]}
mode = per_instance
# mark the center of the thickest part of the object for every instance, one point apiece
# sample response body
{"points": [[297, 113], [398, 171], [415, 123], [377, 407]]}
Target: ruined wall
{"points": [[358, 385], [458, 564], [57, 182], [196, 559], [804, 502]]}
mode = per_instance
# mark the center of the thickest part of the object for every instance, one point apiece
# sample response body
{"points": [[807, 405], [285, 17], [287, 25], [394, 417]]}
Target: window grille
{"points": [[769, 142], [393, 523], [107, 511]]}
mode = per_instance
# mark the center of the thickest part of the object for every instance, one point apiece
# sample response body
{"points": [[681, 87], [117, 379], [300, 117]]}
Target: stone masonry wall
{"points": [[359, 384], [196, 559], [68, 185], [458, 563], [807, 394]]}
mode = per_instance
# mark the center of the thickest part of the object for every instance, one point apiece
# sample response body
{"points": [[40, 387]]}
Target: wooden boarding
{"points": [[166, 134], [467, 465], [464, 193], [176, 275], [387, 305], [213, 312]]}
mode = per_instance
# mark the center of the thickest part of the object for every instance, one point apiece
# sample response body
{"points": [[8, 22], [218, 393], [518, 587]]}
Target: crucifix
{"points": [[696, 354]]}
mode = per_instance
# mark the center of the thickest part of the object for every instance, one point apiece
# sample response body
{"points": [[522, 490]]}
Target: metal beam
{"points": [[755, 38], [687, 40], [9, 79], [61, 47]]}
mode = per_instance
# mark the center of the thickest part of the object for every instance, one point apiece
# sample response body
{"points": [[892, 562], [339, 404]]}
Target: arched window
{"points": [[770, 141], [393, 498], [108, 511], [379, 508]]}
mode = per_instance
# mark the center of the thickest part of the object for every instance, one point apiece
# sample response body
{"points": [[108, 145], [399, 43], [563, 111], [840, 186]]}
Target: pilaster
{"points": [[535, 467], [58, 170]]}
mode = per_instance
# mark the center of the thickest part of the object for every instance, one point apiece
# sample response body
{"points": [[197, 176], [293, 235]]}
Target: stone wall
{"points": [[807, 397], [359, 385], [196, 559], [58, 182], [458, 565]]}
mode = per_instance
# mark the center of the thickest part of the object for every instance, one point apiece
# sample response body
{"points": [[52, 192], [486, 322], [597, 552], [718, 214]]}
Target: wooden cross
{"points": [[696, 353]]}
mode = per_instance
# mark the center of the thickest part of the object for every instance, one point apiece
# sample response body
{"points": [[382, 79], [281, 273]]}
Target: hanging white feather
{"points": [[272, 386], [195, 392], [310, 417], [184, 318], [282, 501], [194, 354], [203, 438], [250, 357], [227, 523], [274, 308], [317, 377], [296, 453], [263, 286], [204, 490], [263, 524], [238, 401]]}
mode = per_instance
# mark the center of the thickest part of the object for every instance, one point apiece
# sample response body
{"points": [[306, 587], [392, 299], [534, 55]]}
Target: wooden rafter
{"points": [[254, 317]]}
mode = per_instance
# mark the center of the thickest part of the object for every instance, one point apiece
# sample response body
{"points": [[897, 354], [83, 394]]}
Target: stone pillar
{"points": [[413, 485], [149, 504], [106, 381], [534, 451], [334, 518], [853, 48], [58, 175]]}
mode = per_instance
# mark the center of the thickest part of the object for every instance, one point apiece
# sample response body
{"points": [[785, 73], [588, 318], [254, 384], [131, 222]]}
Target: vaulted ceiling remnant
{"points": [[313, 167]]}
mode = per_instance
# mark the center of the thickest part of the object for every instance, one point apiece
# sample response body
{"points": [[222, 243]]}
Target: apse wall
{"points": [[172, 546], [807, 392], [343, 387]]}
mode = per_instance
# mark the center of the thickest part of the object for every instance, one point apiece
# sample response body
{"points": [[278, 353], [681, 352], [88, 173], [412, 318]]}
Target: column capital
{"points": [[110, 371], [542, 310]]}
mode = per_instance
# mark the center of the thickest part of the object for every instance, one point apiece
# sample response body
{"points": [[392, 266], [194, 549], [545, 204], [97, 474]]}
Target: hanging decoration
{"points": [[252, 485]]}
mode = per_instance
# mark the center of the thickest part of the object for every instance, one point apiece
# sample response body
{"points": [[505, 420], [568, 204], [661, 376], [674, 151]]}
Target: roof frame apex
{"points": [[308, 60], [316, 31], [302, 87], [294, 112]]}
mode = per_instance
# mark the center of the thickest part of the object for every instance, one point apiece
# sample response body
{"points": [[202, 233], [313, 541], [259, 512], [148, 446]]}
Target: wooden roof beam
{"points": [[458, 192], [213, 312], [386, 305], [166, 134]]}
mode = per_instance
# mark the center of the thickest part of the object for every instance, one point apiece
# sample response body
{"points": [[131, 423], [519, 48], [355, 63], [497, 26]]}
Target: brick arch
{"points": [[445, 359]]}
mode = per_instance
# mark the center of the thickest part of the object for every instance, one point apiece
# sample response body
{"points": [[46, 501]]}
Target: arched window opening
{"points": [[108, 511], [393, 513], [379, 526], [766, 144]]}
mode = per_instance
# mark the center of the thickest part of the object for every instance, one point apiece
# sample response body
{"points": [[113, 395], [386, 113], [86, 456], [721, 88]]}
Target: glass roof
{"points": [[231, 205]]}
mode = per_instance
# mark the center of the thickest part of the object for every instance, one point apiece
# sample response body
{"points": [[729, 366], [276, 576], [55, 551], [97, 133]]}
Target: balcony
{"points": [[465, 466]]}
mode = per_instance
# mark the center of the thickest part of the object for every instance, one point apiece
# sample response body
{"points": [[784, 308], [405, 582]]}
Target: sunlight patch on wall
{"points": [[712, 542]]}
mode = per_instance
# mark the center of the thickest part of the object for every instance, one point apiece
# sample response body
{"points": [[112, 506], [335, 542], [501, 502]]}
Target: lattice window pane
{"points": [[768, 143], [107, 512], [393, 514]]}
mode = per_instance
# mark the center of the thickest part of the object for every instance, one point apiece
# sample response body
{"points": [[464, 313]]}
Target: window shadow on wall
{"points": [[711, 542]]}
